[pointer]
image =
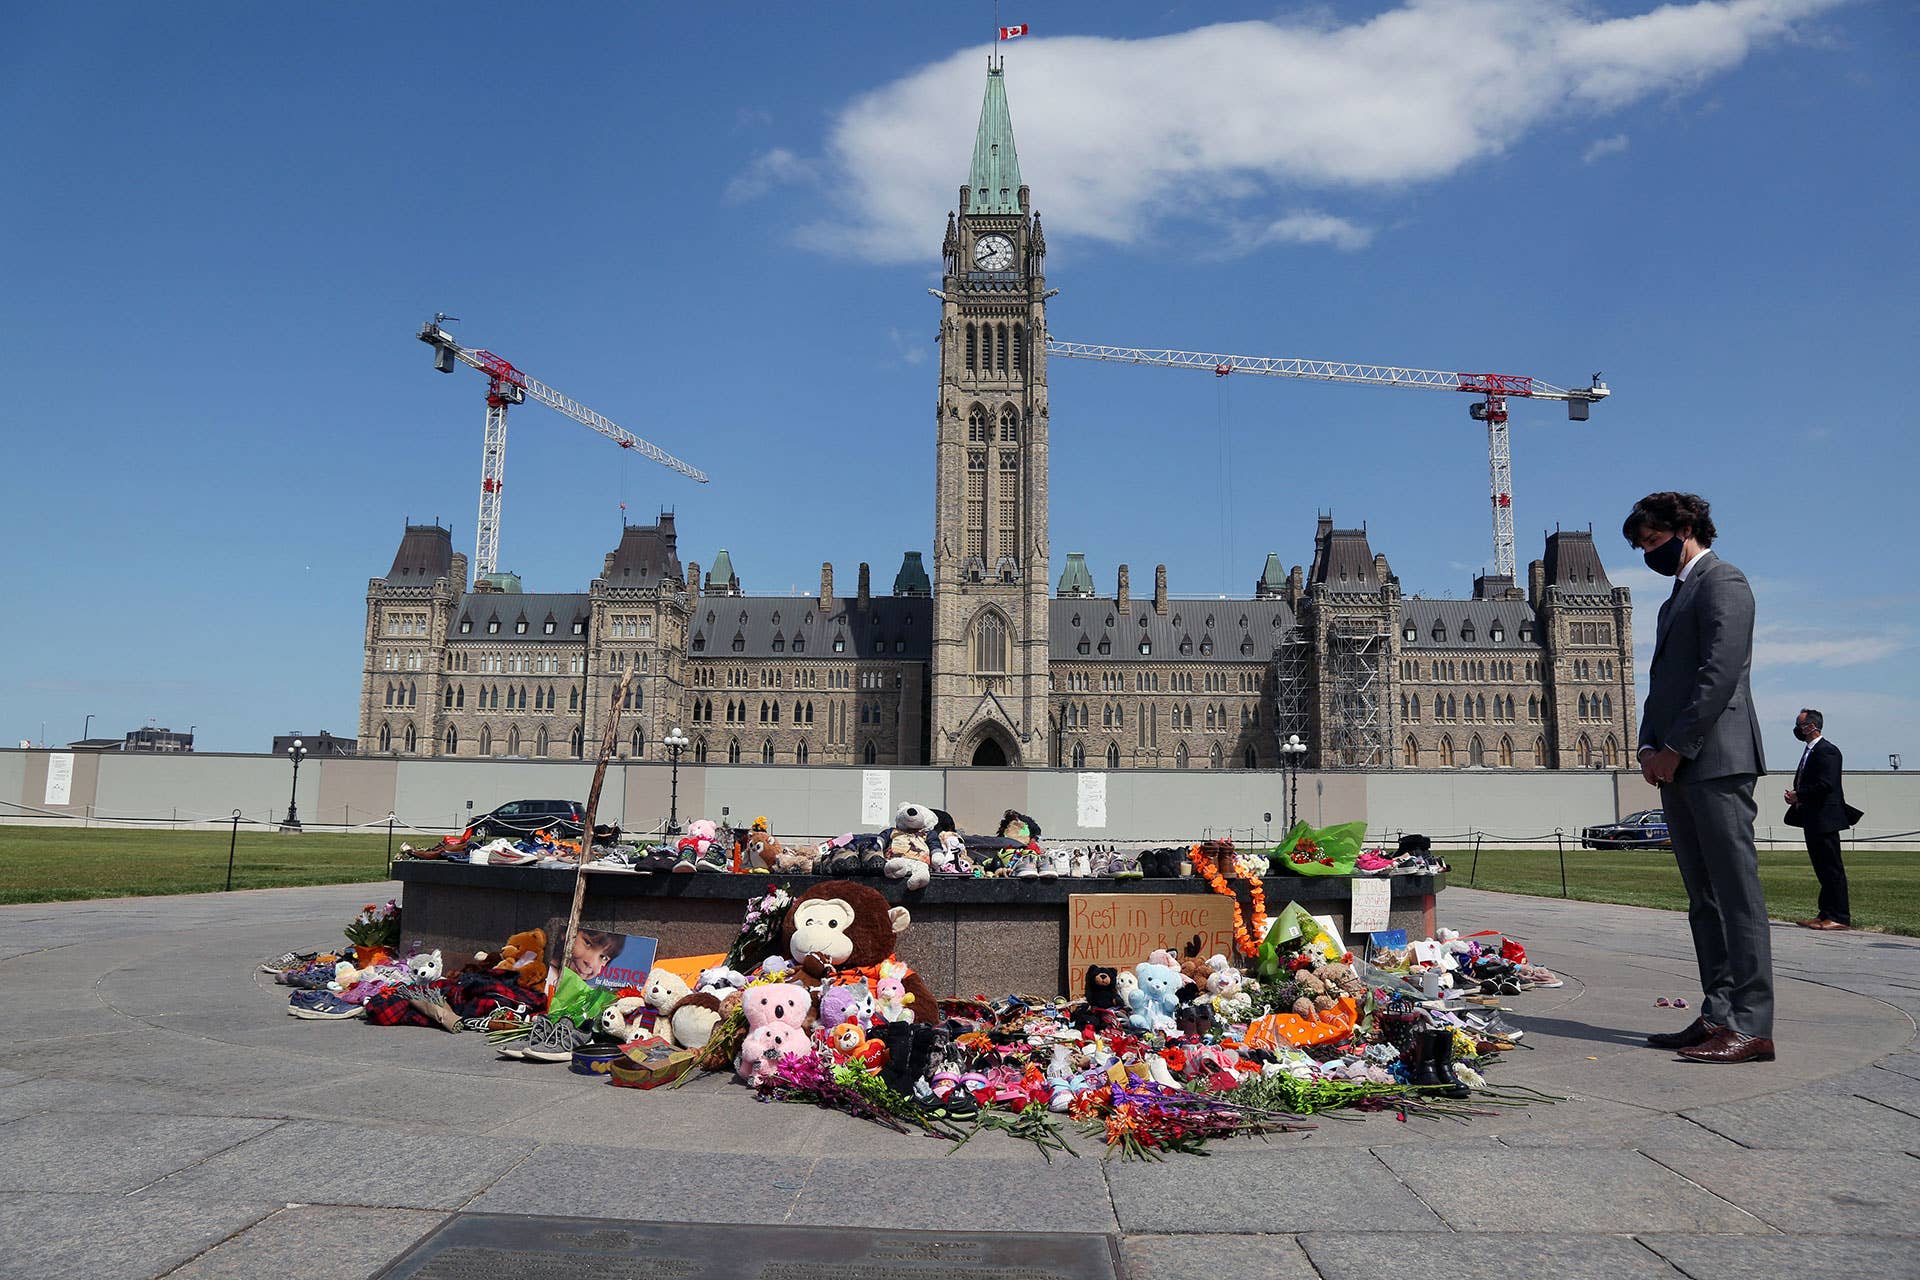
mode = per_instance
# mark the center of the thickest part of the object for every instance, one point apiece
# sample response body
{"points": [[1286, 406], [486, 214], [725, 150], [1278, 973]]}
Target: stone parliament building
{"points": [[985, 661]]}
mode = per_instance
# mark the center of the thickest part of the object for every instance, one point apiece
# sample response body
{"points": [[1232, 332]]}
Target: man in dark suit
{"points": [[1818, 806], [1700, 744]]}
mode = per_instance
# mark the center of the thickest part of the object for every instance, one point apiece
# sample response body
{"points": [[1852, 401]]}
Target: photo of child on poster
{"points": [[602, 957]]}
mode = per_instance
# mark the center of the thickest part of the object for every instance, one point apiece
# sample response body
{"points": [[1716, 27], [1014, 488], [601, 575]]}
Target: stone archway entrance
{"points": [[989, 746], [989, 753]]}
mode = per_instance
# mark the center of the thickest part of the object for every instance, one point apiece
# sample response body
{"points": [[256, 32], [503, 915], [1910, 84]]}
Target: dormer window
{"points": [[1085, 646], [1526, 631], [1076, 619], [1146, 648], [579, 626], [839, 644], [1106, 646], [1439, 633], [1412, 633], [1466, 633], [699, 642], [776, 617], [799, 643], [493, 626], [1186, 646], [779, 642], [466, 626], [1496, 633], [546, 628], [520, 627], [739, 642], [1246, 646], [1206, 646]]}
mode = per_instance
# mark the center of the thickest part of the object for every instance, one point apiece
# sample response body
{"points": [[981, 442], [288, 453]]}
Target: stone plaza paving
{"points": [[161, 1115]]}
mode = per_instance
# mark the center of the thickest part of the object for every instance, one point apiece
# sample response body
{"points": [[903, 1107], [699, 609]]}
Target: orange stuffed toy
{"points": [[524, 957]]}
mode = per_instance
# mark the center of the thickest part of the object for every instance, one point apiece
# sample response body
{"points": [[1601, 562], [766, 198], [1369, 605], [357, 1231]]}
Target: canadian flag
{"points": [[1012, 33]]}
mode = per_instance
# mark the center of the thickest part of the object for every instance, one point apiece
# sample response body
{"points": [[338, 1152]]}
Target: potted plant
{"points": [[374, 933]]}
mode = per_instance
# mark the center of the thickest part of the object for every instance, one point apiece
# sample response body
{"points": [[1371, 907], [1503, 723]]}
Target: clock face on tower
{"points": [[993, 253]]}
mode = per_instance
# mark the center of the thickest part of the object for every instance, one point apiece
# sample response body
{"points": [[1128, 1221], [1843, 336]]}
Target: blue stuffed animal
{"points": [[1153, 1002]]}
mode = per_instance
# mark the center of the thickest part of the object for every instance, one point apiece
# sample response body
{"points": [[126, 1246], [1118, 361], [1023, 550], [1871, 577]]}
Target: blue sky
{"points": [[222, 225]]}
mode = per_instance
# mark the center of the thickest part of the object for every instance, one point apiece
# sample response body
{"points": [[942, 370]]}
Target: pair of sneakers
{"points": [[1115, 864], [548, 1040], [1048, 864], [322, 1006], [714, 859]]}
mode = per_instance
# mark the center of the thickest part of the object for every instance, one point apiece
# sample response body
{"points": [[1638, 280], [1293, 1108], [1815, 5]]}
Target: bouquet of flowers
{"points": [[376, 926], [760, 929], [1327, 851]]}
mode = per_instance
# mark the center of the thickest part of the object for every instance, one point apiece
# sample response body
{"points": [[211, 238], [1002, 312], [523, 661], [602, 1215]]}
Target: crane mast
{"points": [[1493, 388], [508, 386]]}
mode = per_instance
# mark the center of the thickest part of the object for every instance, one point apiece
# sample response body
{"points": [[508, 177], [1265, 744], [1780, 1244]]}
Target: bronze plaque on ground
{"points": [[497, 1246]]}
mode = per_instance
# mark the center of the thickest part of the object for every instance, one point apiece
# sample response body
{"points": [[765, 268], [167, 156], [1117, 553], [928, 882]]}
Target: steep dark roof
{"points": [[1342, 559], [1573, 564], [426, 553], [482, 607], [1456, 618], [646, 554], [896, 627], [1190, 630]]}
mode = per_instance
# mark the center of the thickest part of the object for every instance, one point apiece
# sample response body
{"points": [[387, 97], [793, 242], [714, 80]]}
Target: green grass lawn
{"points": [[1883, 884], [54, 864]]}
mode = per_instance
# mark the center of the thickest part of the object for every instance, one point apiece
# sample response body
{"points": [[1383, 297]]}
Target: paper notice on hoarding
{"points": [[1093, 800], [60, 778], [1372, 899], [876, 796]]}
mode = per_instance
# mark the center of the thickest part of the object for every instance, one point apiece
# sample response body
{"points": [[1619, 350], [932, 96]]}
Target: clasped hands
{"points": [[1658, 766]]}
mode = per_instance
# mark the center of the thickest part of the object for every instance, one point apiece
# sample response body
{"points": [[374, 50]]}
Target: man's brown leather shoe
{"points": [[1824, 923], [1730, 1046], [1699, 1031]]}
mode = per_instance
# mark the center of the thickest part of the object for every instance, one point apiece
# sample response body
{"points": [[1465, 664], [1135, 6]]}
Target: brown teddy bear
{"points": [[523, 956], [761, 852], [845, 932]]}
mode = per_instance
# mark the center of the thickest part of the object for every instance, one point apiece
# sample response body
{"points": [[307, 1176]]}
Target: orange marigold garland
{"points": [[1245, 938]]}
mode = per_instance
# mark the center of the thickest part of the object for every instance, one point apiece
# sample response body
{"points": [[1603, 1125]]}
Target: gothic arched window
{"points": [[1411, 752], [386, 737], [766, 752], [871, 755], [1019, 348], [486, 741], [733, 751], [990, 644], [972, 357], [700, 751], [453, 740], [576, 743], [1079, 756], [1113, 755], [1009, 425], [542, 744], [977, 425], [800, 753]]}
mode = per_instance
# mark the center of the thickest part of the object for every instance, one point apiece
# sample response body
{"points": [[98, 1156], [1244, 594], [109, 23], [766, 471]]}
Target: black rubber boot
{"points": [[1418, 1058], [1440, 1065]]}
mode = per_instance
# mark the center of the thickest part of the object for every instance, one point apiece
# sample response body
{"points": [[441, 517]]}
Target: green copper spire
{"points": [[1074, 579], [1273, 579], [995, 181]]}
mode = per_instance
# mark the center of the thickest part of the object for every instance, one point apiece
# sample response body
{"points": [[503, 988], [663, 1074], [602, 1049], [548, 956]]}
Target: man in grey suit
{"points": [[1700, 744]]}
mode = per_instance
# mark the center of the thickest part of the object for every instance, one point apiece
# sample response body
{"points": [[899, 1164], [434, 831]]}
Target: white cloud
{"points": [[1603, 147], [1306, 227], [769, 169], [1122, 135], [1782, 646], [905, 349]]}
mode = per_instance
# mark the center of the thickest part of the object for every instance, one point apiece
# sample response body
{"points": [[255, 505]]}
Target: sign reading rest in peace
{"points": [[1122, 929]]}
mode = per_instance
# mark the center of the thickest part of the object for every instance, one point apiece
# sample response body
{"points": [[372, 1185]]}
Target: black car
{"points": [[518, 818], [1644, 830]]}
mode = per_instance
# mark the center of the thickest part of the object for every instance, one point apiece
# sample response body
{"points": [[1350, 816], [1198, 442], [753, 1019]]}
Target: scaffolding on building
{"points": [[1355, 734], [1292, 686]]}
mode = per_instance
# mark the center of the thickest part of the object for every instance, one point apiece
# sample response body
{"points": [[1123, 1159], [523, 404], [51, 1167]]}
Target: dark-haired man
{"points": [[1700, 744], [1817, 804]]}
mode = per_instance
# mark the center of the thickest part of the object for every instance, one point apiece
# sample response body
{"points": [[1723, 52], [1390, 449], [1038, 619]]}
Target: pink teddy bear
{"points": [[776, 1015]]}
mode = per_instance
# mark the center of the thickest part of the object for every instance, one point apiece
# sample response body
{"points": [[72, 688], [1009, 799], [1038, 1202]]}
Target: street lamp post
{"points": [[296, 753], [86, 732], [1292, 751], [675, 742]]}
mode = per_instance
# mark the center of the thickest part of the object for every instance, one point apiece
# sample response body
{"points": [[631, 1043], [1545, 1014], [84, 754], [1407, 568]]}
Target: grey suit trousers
{"points": [[1711, 822]]}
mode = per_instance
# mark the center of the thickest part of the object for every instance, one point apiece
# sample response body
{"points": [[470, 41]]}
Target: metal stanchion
{"points": [[233, 839], [1475, 872], [1560, 838], [389, 840]]}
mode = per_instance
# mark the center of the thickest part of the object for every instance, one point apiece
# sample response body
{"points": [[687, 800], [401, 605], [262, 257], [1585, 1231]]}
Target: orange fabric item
{"points": [[1280, 1030]]}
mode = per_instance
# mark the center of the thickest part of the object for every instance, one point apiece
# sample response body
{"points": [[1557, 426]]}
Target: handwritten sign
{"points": [[59, 778], [1372, 899], [1122, 929], [1093, 800], [876, 796]]}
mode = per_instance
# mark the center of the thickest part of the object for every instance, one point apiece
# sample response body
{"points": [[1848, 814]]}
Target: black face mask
{"points": [[1802, 732], [1665, 558]]}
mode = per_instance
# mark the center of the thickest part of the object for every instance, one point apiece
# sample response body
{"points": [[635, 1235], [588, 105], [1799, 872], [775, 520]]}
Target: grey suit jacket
{"points": [[1698, 700]]}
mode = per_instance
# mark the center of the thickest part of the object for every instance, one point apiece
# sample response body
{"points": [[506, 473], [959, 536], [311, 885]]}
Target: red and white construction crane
{"points": [[506, 386], [1493, 388]]}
